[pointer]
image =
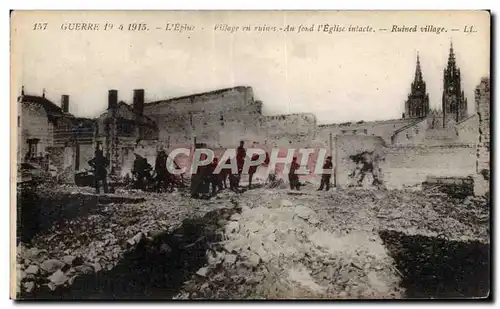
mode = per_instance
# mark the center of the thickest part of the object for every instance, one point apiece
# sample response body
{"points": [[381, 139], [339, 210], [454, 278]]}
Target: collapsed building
{"points": [[50, 137]]}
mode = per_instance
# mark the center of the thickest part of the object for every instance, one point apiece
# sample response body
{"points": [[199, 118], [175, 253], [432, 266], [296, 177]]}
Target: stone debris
{"points": [[331, 249], [276, 246], [52, 265], [232, 227], [89, 237], [32, 269], [203, 272], [58, 278]]}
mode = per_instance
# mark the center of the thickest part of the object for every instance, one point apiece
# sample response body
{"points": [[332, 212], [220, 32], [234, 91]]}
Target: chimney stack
{"points": [[138, 101], [65, 103], [112, 99]]}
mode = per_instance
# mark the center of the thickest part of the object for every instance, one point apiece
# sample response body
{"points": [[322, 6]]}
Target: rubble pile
{"points": [[99, 239], [408, 211], [278, 250], [278, 247], [273, 244]]}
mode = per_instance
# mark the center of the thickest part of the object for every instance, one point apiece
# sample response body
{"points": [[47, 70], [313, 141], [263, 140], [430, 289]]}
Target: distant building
{"points": [[417, 105], [454, 103], [420, 124]]}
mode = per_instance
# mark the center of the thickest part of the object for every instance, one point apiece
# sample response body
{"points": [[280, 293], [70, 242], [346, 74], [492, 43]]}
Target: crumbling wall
{"points": [[33, 123], [482, 177], [86, 154], [225, 117], [407, 166], [63, 159], [220, 117], [384, 129], [413, 134], [468, 130]]}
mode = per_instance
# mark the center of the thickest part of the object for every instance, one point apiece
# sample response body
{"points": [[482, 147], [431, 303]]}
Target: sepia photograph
{"points": [[250, 155]]}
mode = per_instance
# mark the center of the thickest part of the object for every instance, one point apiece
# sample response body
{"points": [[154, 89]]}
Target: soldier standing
{"points": [[162, 174], [292, 176], [224, 175], [141, 171], [241, 153], [99, 163], [252, 170], [214, 179], [325, 178]]}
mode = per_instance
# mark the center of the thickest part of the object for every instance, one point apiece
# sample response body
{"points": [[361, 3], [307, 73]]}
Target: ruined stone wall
{"points": [[218, 117], [384, 129], [346, 146], [223, 118], [291, 129], [468, 130], [33, 123], [404, 165], [482, 97], [413, 134], [86, 154], [63, 159], [410, 165]]}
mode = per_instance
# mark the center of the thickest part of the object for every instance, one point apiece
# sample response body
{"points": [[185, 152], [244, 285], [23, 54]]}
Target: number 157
{"points": [[40, 26]]}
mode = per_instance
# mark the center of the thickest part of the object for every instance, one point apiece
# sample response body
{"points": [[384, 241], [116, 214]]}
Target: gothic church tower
{"points": [[417, 104], [454, 101]]}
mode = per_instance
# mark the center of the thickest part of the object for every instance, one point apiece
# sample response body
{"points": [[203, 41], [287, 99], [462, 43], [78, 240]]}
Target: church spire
{"points": [[417, 105], [451, 59]]}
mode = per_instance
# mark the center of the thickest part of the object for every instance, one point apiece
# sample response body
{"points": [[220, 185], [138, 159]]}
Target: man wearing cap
{"points": [[293, 178], [99, 163], [325, 178]]}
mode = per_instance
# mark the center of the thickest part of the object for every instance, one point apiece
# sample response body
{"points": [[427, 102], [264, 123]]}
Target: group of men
{"points": [[206, 181]]}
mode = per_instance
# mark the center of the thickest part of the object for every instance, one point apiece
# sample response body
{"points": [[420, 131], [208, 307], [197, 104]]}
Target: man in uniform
{"points": [[213, 178], [325, 178], [293, 178], [163, 179], [241, 153], [141, 171], [200, 181], [99, 163], [367, 162], [252, 170]]}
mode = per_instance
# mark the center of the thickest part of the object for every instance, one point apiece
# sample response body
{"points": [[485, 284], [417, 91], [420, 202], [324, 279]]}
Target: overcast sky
{"points": [[339, 77]]}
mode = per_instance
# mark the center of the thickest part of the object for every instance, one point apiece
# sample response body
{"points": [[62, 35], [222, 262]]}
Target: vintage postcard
{"points": [[250, 155]]}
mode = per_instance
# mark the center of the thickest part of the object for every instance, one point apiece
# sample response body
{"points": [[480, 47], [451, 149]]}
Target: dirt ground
{"points": [[263, 243]]}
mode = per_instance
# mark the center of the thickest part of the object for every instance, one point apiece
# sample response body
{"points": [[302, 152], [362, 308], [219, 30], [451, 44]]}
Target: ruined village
{"points": [[404, 214]]}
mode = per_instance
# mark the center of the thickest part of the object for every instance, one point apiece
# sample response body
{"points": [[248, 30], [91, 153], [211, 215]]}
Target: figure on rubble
{"points": [[293, 178], [325, 178], [141, 171], [241, 154], [100, 163], [224, 175], [163, 176], [200, 181], [252, 170], [213, 178], [366, 162]]}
